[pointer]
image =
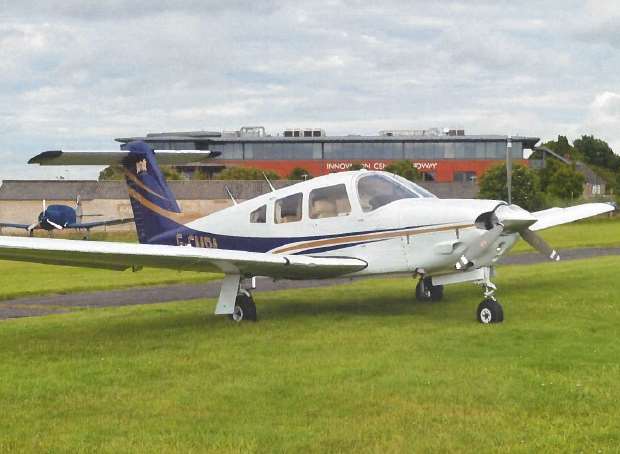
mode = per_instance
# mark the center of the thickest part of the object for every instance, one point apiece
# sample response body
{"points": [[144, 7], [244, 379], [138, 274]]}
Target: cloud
{"points": [[81, 73]]}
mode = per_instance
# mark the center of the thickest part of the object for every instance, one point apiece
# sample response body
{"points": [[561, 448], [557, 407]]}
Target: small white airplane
{"points": [[359, 223]]}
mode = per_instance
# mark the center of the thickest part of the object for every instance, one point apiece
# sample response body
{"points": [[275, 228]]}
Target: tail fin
{"points": [[156, 212]]}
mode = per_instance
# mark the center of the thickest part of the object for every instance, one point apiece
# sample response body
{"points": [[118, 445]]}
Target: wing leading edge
{"points": [[119, 256], [557, 216]]}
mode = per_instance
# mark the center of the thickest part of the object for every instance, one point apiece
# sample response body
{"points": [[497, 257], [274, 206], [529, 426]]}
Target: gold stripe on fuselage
{"points": [[365, 237]]}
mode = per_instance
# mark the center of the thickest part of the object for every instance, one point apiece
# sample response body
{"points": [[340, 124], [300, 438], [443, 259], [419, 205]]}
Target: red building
{"points": [[441, 156]]}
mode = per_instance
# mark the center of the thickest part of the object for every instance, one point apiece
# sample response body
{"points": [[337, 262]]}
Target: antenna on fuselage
{"points": [[230, 195], [268, 182]]}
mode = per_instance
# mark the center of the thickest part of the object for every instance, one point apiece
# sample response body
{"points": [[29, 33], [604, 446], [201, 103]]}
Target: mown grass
{"points": [[23, 279], [353, 368]]}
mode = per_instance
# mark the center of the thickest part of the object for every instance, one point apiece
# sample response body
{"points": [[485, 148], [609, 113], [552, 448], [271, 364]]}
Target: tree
{"points": [[357, 166], [299, 174], [405, 169], [112, 173], [597, 152], [562, 147], [246, 173], [565, 183], [525, 186]]}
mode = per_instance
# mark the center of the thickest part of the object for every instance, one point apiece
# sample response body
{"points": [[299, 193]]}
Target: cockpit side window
{"points": [[259, 215], [377, 190], [330, 201], [288, 209]]}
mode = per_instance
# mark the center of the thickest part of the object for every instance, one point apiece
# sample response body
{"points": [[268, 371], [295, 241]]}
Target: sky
{"points": [[77, 74]]}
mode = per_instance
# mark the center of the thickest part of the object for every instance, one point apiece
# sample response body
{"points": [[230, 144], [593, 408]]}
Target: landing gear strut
{"points": [[426, 291], [245, 309]]}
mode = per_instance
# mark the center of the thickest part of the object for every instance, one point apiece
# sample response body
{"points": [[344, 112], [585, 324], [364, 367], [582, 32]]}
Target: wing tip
{"points": [[45, 156]]}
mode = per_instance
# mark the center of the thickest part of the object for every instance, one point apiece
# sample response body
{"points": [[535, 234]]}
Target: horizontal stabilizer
{"points": [[557, 216], [105, 158], [103, 254]]}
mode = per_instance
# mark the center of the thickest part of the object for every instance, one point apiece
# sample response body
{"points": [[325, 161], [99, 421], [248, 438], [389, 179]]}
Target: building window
{"points": [[464, 176], [288, 209], [259, 215], [329, 202]]}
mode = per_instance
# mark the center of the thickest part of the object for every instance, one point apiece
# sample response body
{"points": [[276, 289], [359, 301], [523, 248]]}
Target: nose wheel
{"points": [[490, 311]]}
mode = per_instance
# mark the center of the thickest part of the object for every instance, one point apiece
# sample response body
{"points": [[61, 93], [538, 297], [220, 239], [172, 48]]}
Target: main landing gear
{"points": [[426, 291], [245, 309]]}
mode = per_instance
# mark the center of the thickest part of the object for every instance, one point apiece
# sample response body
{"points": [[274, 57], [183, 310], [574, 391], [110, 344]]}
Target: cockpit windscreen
{"points": [[376, 190]]}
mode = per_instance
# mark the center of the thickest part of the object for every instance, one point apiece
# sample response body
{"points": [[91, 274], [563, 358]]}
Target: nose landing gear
{"points": [[489, 310]]}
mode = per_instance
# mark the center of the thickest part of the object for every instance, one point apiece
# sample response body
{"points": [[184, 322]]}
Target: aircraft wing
{"points": [[119, 256], [90, 225], [15, 226], [557, 216]]}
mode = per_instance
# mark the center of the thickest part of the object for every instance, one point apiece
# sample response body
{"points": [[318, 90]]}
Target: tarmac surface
{"points": [[54, 304]]}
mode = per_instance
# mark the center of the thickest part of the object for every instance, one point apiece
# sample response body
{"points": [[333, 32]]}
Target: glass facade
{"points": [[281, 151], [363, 150], [353, 151], [460, 150]]}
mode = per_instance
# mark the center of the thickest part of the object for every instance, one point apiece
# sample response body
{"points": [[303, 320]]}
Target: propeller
{"points": [[503, 219], [536, 241]]}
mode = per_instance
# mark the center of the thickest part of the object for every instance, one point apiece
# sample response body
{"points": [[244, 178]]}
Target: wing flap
{"points": [[557, 216], [111, 255]]}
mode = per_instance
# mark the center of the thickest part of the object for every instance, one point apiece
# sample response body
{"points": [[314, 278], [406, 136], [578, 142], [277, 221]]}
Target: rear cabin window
{"points": [[376, 191], [259, 215], [288, 209], [329, 202]]}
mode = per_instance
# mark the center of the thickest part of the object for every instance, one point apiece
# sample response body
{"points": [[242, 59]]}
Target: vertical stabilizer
{"points": [[156, 212]]}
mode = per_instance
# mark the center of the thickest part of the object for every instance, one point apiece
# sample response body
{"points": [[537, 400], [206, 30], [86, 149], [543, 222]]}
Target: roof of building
{"points": [[117, 190], [208, 138]]}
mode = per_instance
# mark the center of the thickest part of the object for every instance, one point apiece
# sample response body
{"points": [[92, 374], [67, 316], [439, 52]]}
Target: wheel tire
{"points": [[426, 291], [245, 309], [490, 311]]}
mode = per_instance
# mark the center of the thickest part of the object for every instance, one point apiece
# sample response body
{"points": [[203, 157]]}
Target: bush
{"points": [[246, 173], [405, 169], [299, 174]]}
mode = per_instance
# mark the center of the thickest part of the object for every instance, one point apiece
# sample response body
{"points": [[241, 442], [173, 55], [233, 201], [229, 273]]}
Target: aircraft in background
{"points": [[61, 217], [359, 223]]}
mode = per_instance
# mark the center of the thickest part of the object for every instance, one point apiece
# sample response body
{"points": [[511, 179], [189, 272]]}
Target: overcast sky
{"points": [[77, 74]]}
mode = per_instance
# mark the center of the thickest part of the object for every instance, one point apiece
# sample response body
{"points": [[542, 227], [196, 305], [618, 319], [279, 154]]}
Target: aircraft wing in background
{"points": [[15, 226], [119, 256], [90, 225]]}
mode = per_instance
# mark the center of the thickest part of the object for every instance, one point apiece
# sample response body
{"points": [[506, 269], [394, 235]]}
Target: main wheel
{"points": [[490, 311], [245, 309], [425, 290]]}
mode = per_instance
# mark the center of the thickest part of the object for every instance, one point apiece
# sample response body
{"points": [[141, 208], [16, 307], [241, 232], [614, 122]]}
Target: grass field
{"points": [[355, 368], [21, 279]]}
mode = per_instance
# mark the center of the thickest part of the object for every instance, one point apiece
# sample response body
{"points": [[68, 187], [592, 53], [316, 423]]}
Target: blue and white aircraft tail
{"points": [[156, 211]]}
